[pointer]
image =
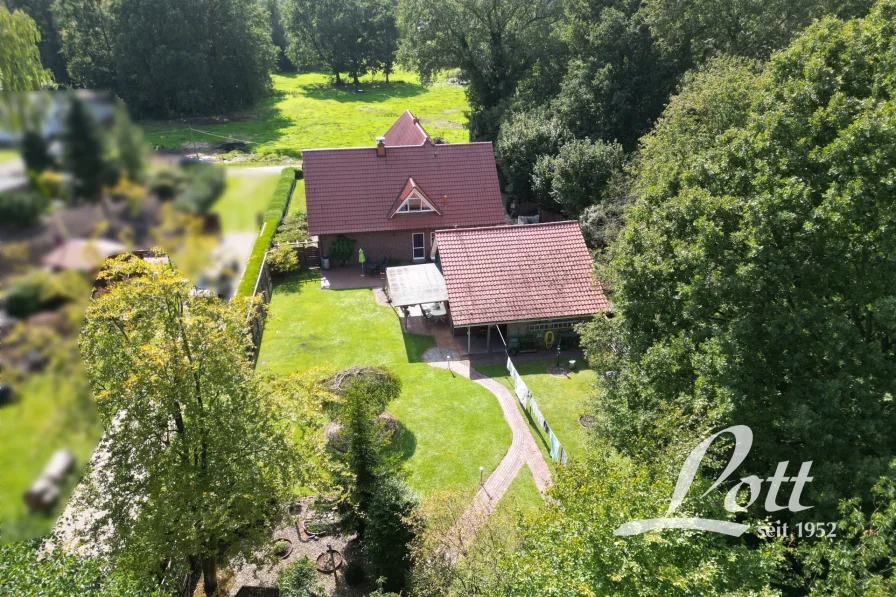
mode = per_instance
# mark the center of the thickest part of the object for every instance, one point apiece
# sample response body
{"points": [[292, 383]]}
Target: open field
{"points": [[561, 401], [307, 111], [452, 425]]}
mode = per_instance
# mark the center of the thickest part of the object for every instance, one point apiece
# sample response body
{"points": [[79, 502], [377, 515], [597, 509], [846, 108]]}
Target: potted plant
{"points": [[341, 249]]}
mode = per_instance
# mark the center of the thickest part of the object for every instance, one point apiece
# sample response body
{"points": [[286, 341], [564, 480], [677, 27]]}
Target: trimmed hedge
{"points": [[272, 216]]}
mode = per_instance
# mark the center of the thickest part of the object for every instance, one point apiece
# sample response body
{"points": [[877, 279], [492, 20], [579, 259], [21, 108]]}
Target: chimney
{"points": [[381, 147], [416, 120]]}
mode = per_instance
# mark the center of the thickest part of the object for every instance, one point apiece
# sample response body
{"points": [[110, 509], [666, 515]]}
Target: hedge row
{"points": [[272, 216]]}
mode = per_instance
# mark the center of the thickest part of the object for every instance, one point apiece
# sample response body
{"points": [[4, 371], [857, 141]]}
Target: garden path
{"points": [[523, 449]]}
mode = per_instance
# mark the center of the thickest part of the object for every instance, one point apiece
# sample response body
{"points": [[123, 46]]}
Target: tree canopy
{"points": [[20, 65], [743, 280], [200, 454], [493, 43], [346, 36]]}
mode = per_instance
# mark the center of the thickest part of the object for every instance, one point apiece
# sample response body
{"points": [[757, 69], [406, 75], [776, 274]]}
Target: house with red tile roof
{"points": [[390, 198], [407, 130], [529, 281]]}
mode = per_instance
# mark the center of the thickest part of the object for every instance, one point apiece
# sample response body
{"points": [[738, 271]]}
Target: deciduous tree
{"points": [[743, 281], [89, 41], [199, 455], [494, 43]]}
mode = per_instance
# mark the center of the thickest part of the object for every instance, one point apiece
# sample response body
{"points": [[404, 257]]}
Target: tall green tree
{"points": [[345, 36], [83, 151], [192, 56], [690, 33], [364, 394], [577, 177], [524, 137], [200, 454], [278, 35], [617, 81], [89, 41], [494, 43], [50, 44], [20, 66], [570, 548], [743, 281]]}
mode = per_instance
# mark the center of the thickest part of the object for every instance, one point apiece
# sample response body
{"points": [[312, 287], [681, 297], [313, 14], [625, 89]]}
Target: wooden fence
{"points": [[307, 251]]}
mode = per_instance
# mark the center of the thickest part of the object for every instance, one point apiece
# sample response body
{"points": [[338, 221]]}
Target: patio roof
{"points": [[416, 285]]}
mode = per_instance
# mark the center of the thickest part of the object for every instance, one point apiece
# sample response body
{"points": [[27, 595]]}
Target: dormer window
{"points": [[414, 203], [412, 200]]}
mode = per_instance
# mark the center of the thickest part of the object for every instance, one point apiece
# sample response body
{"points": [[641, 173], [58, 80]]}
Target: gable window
{"points": [[414, 204], [419, 246]]}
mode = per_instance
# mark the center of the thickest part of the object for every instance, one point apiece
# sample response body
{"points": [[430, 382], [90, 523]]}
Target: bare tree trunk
{"points": [[210, 575], [338, 80]]}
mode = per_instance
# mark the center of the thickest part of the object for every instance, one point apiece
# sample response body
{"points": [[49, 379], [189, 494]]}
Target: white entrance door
{"points": [[419, 246]]}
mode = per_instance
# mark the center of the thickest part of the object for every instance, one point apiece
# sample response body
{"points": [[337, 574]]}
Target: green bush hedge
{"points": [[272, 216], [21, 208]]}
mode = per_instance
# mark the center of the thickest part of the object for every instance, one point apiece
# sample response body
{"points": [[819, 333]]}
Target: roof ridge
{"points": [[520, 226]]}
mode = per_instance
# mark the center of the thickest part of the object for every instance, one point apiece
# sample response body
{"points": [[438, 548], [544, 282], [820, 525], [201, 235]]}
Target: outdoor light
{"points": [[481, 470], [558, 354]]}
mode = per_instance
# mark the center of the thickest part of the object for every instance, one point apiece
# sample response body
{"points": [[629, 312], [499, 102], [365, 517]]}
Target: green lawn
{"points": [[51, 412], [522, 496], [245, 199], [306, 111], [452, 426], [561, 401]]}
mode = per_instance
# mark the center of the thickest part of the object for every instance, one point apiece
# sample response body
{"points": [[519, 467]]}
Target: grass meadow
{"points": [[306, 111]]}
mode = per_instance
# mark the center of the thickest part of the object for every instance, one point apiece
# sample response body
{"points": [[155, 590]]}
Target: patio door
{"points": [[419, 246]]}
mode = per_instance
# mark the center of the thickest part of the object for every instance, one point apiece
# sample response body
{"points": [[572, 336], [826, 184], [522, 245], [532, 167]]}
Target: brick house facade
{"points": [[377, 245]]}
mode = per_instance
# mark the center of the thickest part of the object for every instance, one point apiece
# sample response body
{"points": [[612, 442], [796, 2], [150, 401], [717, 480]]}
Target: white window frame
{"points": [[552, 325], [414, 247], [405, 208]]}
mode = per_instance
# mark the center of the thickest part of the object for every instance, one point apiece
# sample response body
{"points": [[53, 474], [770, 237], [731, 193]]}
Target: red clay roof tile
{"points": [[407, 130], [518, 273], [352, 190]]}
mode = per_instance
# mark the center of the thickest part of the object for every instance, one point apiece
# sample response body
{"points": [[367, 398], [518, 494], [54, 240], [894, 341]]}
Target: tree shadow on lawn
{"points": [[370, 92]]}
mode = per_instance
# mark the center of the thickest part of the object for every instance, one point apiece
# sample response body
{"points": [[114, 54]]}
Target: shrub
{"points": [[299, 579], [35, 152], [39, 291], [293, 228], [21, 208], [51, 184], [205, 185], [283, 260], [164, 184], [342, 248]]}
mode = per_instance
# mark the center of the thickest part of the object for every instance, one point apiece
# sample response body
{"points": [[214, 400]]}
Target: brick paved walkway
{"points": [[523, 449]]}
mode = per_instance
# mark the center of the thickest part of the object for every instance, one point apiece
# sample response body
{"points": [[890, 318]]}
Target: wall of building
{"points": [[377, 245]]}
